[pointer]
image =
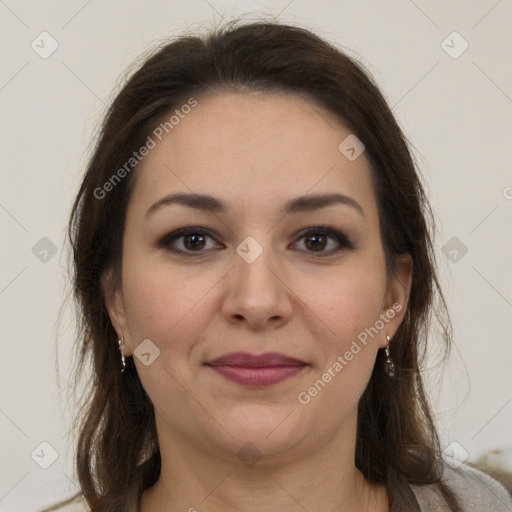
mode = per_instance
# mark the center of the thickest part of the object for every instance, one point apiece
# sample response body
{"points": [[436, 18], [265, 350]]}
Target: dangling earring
{"points": [[390, 367], [123, 360]]}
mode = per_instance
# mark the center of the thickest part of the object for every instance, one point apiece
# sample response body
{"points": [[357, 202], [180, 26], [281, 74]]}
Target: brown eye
{"points": [[317, 240], [187, 240], [194, 241]]}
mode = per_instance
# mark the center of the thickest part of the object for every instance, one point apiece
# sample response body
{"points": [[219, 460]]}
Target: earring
{"points": [[390, 367], [123, 360]]}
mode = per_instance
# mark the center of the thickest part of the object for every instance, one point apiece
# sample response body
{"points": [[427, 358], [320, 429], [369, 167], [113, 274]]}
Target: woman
{"points": [[255, 276]]}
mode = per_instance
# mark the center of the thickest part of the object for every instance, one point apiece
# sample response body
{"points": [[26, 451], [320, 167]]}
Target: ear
{"points": [[397, 296], [115, 304]]}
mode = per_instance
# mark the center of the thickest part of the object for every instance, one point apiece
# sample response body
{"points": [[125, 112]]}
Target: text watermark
{"points": [[304, 397], [137, 156]]}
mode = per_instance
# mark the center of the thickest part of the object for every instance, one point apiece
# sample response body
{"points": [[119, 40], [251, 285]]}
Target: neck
{"points": [[193, 480]]}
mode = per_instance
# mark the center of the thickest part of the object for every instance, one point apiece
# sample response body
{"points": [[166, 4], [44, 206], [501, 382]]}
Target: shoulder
{"points": [[476, 491]]}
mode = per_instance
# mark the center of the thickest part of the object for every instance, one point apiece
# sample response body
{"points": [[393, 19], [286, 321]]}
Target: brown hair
{"points": [[118, 454]]}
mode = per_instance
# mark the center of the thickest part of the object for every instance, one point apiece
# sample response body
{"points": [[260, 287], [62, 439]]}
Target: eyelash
{"points": [[342, 239]]}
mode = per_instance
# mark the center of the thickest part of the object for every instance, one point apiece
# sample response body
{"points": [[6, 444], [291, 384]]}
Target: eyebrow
{"points": [[210, 203]]}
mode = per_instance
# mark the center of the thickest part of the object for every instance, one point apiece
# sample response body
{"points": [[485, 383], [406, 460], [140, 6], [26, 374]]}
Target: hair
{"points": [[118, 453]]}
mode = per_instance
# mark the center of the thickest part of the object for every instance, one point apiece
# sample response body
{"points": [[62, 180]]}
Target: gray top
{"points": [[477, 492]]}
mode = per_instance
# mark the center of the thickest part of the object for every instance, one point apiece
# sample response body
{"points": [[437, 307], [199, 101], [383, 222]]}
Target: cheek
{"points": [[166, 307], [346, 311], [345, 304]]}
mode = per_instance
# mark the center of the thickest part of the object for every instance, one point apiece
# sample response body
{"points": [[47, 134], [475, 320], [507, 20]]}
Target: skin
{"points": [[255, 151]]}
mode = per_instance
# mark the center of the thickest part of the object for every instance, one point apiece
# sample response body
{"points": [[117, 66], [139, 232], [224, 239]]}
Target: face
{"points": [[266, 266]]}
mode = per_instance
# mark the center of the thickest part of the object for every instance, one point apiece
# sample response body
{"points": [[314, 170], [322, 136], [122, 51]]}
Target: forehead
{"points": [[253, 148]]}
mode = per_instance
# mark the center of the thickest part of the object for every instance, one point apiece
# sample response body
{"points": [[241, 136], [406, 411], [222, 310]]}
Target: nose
{"points": [[258, 294]]}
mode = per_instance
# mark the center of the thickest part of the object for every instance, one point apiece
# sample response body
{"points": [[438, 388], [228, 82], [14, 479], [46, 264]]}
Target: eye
{"points": [[317, 239], [191, 239], [194, 239]]}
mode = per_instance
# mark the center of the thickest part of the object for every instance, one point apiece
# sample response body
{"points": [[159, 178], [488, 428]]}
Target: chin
{"points": [[257, 431]]}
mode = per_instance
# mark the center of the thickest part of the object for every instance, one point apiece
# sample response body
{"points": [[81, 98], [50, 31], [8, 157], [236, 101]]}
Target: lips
{"points": [[256, 370], [268, 359]]}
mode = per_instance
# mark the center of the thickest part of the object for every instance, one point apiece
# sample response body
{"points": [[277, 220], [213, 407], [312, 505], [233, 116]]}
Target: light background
{"points": [[455, 111]]}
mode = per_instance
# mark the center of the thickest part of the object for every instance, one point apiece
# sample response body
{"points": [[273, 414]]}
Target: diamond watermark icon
{"points": [[351, 147], [147, 352], [44, 250], [44, 45], [454, 45], [44, 455], [249, 249], [249, 455], [455, 455], [454, 250]]}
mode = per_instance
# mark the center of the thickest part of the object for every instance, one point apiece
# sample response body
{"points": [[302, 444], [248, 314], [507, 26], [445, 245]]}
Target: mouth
{"points": [[256, 370]]}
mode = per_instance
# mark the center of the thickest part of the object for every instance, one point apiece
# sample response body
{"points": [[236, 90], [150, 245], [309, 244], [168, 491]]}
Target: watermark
{"points": [[249, 454], [44, 455], [454, 45], [507, 193], [157, 135], [44, 45], [146, 352], [44, 250], [304, 397], [454, 249], [351, 147], [249, 249], [455, 455]]}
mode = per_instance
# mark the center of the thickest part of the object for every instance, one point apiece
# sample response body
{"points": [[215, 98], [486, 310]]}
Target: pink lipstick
{"points": [[256, 370]]}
